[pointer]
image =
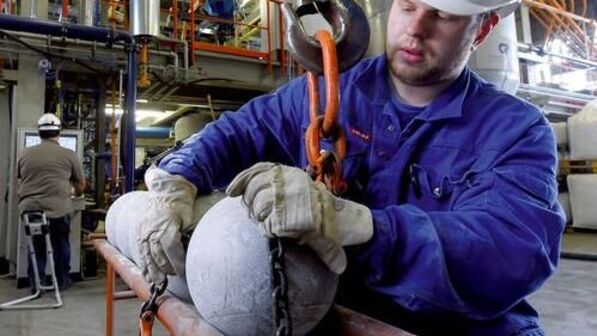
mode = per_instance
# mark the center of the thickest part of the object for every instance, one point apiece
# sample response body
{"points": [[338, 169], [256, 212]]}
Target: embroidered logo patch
{"points": [[360, 134]]}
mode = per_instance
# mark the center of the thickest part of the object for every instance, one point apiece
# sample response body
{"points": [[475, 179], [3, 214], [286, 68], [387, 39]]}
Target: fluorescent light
{"points": [[108, 110], [143, 101]]}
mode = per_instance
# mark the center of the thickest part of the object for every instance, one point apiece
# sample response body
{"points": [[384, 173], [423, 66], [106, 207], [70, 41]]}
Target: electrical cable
{"points": [[49, 54]]}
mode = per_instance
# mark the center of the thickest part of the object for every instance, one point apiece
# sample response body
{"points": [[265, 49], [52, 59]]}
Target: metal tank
{"points": [[87, 12], [497, 58], [377, 14], [145, 18], [190, 124]]}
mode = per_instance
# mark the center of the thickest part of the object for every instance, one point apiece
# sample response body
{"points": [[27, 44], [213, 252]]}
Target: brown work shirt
{"points": [[47, 172]]}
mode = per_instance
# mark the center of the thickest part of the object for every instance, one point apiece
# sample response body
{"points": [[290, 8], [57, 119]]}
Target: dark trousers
{"points": [[59, 237]]}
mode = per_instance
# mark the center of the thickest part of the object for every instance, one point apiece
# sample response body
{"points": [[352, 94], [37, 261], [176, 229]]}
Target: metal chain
{"points": [[149, 308], [323, 166], [282, 318]]}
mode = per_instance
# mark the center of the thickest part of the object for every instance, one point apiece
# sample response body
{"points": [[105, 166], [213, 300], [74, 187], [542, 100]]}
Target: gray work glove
{"points": [[169, 212], [288, 203]]}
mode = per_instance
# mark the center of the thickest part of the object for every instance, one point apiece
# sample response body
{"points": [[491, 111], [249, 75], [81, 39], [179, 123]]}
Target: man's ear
{"points": [[489, 22]]}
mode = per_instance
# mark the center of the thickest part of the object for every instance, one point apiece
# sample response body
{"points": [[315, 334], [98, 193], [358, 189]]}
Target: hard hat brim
{"points": [[49, 128], [457, 8]]}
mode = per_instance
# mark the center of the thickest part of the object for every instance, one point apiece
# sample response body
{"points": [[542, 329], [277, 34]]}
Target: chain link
{"points": [[326, 166], [282, 318], [149, 308]]}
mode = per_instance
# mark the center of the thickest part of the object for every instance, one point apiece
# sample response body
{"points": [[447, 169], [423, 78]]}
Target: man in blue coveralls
{"points": [[452, 199]]}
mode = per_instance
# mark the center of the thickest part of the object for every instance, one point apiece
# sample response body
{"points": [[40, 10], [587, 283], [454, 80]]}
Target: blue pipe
{"points": [[131, 97], [67, 30], [98, 34], [152, 132]]}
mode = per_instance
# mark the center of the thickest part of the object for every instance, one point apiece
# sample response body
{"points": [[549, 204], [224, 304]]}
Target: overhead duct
{"points": [[145, 18]]}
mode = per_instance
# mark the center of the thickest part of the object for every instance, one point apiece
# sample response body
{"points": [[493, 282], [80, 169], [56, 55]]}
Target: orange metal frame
{"points": [[241, 52], [181, 319]]}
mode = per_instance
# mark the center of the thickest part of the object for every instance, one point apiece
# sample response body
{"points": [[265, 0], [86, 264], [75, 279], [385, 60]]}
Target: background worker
{"points": [[452, 189], [48, 174]]}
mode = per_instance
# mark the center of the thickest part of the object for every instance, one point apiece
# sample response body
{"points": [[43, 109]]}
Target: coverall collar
{"points": [[448, 104]]}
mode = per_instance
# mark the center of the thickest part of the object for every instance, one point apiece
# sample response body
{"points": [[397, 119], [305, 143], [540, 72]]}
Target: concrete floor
{"points": [[567, 302], [83, 313]]}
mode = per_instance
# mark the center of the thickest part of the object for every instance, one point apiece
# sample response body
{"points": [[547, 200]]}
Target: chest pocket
{"points": [[439, 176]]}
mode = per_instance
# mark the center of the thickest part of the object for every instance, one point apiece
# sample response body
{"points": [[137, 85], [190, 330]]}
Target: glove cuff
{"points": [[173, 192], [354, 222], [160, 181]]}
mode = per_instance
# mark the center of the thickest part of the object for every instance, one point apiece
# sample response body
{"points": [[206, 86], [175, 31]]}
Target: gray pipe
{"points": [[525, 47], [545, 91], [131, 97]]}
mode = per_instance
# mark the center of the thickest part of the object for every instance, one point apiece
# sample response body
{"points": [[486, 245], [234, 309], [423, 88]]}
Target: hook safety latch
{"points": [[150, 308]]}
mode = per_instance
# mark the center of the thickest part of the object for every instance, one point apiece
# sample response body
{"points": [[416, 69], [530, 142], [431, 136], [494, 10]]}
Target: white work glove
{"points": [[286, 202], [169, 212]]}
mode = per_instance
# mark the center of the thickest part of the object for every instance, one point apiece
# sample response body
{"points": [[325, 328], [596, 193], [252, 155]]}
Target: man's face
{"points": [[425, 46]]}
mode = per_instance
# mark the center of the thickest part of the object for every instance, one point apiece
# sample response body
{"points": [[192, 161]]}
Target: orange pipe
{"points": [[551, 9], [109, 299], [565, 34], [179, 318], [64, 10], [282, 51], [568, 22], [144, 81], [549, 29], [561, 26], [192, 44], [269, 41], [584, 8]]}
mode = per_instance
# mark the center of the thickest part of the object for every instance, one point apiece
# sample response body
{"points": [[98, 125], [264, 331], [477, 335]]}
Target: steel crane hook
{"points": [[350, 30]]}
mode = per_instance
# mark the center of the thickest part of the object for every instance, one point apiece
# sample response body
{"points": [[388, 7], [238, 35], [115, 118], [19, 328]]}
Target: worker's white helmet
{"points": [[48, 122], [473, 7]]}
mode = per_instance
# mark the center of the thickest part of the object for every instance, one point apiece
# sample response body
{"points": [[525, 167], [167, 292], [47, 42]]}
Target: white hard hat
{"points": [[473, 7], [48, 122]]}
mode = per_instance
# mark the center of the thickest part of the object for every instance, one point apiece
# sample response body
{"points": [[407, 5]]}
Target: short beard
{"points": [[429, 76]]}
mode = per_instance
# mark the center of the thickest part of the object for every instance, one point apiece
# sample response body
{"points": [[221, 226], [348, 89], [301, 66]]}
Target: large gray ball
{"points": [[123, 222], [228, 273]]}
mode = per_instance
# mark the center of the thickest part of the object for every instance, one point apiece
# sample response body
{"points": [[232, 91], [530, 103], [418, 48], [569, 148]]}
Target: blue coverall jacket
{"points": [[466, 221]]}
